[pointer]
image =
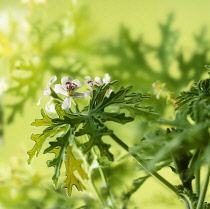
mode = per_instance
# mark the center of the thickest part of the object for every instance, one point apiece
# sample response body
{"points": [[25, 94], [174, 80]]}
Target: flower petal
{"points": [[76, 83], [60, 90], [88, 81], [39, 101], [106, 78], [97, 81], [64, 80], [67, 103], [50, 107], [47, 91], [52, 80]]}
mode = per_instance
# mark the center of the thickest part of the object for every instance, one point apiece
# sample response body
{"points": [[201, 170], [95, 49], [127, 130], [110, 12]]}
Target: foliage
{"points": [[24, 187], [68, 47], [82, 138], [71, 126], [182, 145], [135, 54], [54, 43]]}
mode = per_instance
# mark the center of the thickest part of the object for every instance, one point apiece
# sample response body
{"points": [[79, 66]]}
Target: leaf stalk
{"points": [[154, 174]]}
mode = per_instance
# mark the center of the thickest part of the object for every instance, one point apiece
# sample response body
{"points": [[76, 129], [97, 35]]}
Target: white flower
{"points": [[47, 90], [68, 88], [50, 106], [106, 78], [159, 88], [97, 81]]}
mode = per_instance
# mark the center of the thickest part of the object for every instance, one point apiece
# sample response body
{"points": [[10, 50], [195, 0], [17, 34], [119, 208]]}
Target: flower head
{"points": [[106, 78], [47, 90], [159, 88], [97, 81], [68, 88]]}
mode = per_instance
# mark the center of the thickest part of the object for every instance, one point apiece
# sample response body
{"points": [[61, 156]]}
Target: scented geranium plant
{"points": [[77, 136]]}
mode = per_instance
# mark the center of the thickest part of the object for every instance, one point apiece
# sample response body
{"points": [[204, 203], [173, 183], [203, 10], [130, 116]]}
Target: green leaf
{"points": [[180, 120], [45, 121], [145, 112], [199, 92], [62, 114], [95, 129], [115, 117], [58, 148], [41, 138], [72, 164], [37, 147]]}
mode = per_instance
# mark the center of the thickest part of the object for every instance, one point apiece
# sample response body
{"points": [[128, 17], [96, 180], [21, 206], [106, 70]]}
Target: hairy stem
{"points": [[187, 202], [204, 189], [142, 164]]}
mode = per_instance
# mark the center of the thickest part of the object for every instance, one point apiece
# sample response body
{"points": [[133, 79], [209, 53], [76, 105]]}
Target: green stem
{"points": [[194, 169], [142, 164], [97, 192], [187, 202], [197, 181], [93, 186], [204, 189], [107, 186], [104, 180]]}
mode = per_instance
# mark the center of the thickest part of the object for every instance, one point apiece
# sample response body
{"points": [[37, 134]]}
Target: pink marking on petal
{"points": [[97, 83]]}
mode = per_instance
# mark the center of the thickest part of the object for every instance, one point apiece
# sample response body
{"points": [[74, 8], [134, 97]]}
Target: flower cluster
{"points": [[68, 88]]}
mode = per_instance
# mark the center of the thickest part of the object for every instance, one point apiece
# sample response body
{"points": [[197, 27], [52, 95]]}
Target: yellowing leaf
{"points": [[45, 121], [37, 147], [40, 139], [72, 164], [61, 113]]}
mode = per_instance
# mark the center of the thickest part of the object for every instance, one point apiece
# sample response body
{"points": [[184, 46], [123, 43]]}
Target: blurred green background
{"points": [[136, 42]]}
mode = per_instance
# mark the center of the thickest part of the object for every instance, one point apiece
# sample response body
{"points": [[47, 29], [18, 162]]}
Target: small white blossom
{"points": [[106, 78], [50, 106], [47, 90], [97, 81], [159, 88], [68, 88]]}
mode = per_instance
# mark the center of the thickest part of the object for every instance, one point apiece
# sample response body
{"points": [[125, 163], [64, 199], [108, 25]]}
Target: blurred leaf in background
{"points": [[52, 39]]}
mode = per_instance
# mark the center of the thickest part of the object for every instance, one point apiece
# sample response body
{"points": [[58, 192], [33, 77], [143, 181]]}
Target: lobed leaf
{"points": [[72, 164], [145, 112], [95, 130], [45, 121], [41, 138], [58, 148]]}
